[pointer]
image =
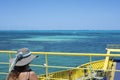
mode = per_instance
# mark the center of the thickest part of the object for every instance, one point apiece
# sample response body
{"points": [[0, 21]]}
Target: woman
{"points": [[19, 69]]}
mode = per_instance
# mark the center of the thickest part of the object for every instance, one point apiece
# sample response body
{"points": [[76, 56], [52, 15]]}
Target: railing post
{"points": [[90, 59], [10, 56], [46, 60], [90, 67], [106, 61]]}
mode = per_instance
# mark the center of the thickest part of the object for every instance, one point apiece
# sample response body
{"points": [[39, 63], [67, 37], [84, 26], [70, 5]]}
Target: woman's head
{"points": [[23, 58]]}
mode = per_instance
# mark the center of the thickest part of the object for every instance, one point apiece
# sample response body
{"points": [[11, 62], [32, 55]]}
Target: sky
{"points": [[59, 14]]}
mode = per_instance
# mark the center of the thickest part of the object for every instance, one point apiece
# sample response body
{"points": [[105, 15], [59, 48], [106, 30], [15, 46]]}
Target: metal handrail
{"points": [[65, 54], [70, 53]]}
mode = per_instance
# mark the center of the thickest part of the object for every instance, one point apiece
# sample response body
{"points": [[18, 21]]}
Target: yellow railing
{"points": [[66, 54]]}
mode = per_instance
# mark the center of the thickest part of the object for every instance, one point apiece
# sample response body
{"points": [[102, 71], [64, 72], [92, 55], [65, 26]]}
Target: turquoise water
{"points": [[89, 41]]}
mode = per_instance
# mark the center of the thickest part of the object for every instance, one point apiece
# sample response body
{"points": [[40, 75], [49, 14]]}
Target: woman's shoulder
{"points": [[28, 75], [33, 76], [32, 73]]}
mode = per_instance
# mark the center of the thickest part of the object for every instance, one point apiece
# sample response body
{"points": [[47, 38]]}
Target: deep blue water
{"points": [[89, 41]]}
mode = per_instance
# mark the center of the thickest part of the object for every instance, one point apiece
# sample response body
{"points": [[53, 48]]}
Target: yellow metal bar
{"points": [[106, 61], [46, 65], [10, 55], [90, 59], [114, 50], [72, 54], [3, 73], [91, 70], [5, 51], [4, 63]]}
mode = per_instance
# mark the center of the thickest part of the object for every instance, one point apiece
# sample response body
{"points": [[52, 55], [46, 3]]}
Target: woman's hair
{"points": [[17, 70], [21, 68]]}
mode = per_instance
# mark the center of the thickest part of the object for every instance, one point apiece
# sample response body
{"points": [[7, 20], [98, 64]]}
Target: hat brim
{"points": [[24, 61]]}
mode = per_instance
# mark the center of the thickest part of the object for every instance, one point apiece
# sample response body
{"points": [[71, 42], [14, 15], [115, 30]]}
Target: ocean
{"points": [[78, 41]]}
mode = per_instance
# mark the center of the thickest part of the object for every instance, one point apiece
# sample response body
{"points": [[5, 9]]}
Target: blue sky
{"points": [[59, 14]]}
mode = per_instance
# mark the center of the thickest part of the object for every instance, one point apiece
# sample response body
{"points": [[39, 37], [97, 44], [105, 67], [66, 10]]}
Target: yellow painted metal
{"points": [[113, 50], [46, 65], [10, 55], [76, 72], [106, 61], [90, 60], [4, 63], [3, 73], [73, 72], [71, 54], [5, 51]]}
